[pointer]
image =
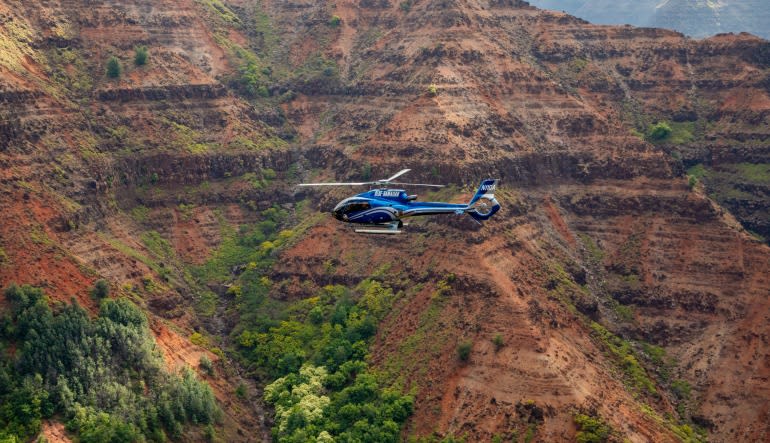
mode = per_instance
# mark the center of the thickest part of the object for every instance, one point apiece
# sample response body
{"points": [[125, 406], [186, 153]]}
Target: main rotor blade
{"points": [[336, 184], [398, 174], [418, 184]]}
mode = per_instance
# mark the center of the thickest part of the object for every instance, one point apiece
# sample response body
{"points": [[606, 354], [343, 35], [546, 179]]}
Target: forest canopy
{"points": [[104, 376]]}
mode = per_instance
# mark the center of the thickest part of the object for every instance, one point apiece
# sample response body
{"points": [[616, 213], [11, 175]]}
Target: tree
{"points": [[140, 55], [659, 131], [113, 67], [101, 289]]}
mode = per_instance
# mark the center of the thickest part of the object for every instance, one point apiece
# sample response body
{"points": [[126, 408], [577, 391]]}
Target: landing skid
{"points": [[391, 228]]}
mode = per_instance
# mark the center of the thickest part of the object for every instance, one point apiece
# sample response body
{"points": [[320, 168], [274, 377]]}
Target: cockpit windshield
{"points": [[350, 206]]}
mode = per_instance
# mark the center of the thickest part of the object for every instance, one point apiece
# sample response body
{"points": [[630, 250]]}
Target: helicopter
{"points": [[381, 210]]}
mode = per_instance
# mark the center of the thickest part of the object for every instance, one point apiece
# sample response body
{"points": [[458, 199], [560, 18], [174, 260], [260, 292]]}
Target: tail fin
{"points": [[483, 205]]}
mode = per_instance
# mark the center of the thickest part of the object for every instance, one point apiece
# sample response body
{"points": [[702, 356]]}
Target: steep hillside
{"points": [[611, 295], [696, 18]]}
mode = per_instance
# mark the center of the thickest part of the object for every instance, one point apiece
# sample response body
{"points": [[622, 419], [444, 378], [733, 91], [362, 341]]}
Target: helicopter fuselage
{"points": [[380, 206]]}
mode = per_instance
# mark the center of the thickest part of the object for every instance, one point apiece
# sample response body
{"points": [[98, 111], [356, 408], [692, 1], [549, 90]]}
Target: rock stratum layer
{"points": [[611, 281]]}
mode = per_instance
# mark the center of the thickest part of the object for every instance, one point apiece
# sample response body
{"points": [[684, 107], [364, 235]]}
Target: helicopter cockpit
{"points": [[349, 206]]}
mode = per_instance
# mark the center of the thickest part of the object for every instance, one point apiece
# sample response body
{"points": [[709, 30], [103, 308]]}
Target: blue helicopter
{"points": [[381, 210]]}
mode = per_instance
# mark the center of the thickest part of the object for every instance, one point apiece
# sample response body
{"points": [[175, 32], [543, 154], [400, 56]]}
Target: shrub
{"points": [[692, 181], [464, 350], [198, 339], [432, 90], [681, 389], [659, 131], [206, 365], [101, 289], [140, 55], [240, 391], [113, 67], [498, 341], [335, 21], [591, 429]]}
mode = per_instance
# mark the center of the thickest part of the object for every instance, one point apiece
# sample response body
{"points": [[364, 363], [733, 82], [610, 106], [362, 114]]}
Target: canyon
{"points": [[627, 274]]}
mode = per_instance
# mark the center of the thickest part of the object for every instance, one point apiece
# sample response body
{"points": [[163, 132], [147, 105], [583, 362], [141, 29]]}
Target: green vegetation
{"points": [[140, 213], [635, 375], [335, 21], [697, 171], [16, 44], [692, 181], [206, 365], [591, 429], [252, 80], [681, 388], [689, 434], [405, 5], [464, 350], [595, 253], [323, 388], [104, 376], [658, 131], [675, 133], [240, 391], [736, 186], [101, 289], [186, 211], [311, 353], [251, 246], [317, 67], [113, 67], [729, 174], [682, 132], [198, 339], [530, 434], [432, 90], [70, 70], [626, 313], [754, 172], [140, 55], [498, 341], [220, 10], [577, 65]]}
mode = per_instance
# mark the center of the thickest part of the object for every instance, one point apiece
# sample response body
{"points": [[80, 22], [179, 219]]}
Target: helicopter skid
{"points": [[379, 229]]}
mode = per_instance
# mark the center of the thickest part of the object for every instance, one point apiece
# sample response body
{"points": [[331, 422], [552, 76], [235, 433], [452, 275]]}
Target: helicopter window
{"points": [[357, 206]]}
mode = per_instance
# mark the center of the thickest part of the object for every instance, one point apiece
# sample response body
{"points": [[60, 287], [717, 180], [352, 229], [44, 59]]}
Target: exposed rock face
{"points": [[598, 224], [696, 18]]}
